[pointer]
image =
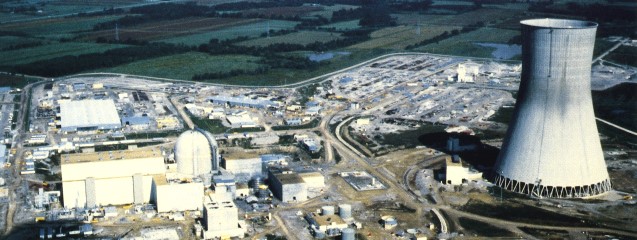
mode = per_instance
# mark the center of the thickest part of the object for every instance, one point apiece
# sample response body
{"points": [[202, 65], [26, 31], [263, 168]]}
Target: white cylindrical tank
{"points": [[345, 211], [552, 148], [327, 210], [348, 234]]}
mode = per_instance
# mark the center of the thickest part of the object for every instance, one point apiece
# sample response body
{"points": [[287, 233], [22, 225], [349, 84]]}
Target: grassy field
{"points": [[282, 76], [169, 28], [44, 52], [397, 38], [302, 37], [462, 45], [456, 20], [247, 30], [343, 26], [184, 66], [327, 10], [58, 27], [8, 41]]}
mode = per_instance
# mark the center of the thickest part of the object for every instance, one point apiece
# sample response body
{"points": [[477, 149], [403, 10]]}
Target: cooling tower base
{"points": [[543, 191]]}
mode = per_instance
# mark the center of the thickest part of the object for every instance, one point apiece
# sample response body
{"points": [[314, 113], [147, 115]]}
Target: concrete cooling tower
{"points": [[552, 147]]}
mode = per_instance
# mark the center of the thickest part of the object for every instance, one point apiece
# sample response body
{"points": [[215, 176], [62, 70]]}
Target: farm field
{"points": [[250, 30], [399, 37], [286, 76], [8, 41], [170, 28], [283, 11], [462, 45], [184, 66], [326, 12], [343, 26], [54, 28], [485, 15], [44, 52], [302, 37]]}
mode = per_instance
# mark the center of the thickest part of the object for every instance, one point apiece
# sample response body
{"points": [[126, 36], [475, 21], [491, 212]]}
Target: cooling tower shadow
{"points": [[479, 155]]}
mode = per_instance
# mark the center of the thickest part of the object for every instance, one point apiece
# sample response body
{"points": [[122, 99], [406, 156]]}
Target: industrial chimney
{"points": [[552, 147]]}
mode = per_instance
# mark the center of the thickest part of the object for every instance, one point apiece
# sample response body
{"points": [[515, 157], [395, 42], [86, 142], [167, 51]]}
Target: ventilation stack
{"points": [[552, 148]]}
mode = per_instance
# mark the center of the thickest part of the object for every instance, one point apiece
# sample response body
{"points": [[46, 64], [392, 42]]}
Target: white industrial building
{"points": [[468, 72], [456, 173], [221, 217], [110, 178], [140, 176], [287, 186], [244, 165], [88, 115], [313, 180], [170, 194]]}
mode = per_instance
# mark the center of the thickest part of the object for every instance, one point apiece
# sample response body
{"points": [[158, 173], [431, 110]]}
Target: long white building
{"points": [[103, 178]]}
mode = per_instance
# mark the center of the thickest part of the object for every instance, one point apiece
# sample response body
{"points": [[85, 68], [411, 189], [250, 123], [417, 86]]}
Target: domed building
{"points": [[195, 152]]}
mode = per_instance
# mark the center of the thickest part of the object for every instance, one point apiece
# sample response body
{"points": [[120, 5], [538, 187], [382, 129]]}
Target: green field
{"points": [[287, 76], [327, 10], [7, 41], [342, 26], [462, 45], [60, 27], [302, 37], [28, 55], [397, 38], [184, 66], [249, 30]]}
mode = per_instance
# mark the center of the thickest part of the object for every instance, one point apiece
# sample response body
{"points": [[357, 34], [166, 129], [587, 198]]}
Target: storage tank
{"points": [[348, 234], [345, 211], [552, 147], [327, 210]]}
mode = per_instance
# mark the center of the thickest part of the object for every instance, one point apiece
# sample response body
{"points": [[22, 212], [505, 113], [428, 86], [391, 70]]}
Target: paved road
{"points": [[616, 126]]}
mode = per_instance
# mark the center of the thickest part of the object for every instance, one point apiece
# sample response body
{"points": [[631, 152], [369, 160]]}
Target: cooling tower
{"points": [[552, 147]]}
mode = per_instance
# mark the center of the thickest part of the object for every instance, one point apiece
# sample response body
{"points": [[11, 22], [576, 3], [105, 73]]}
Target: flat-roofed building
{"points": [[314, 180], [244, 165], [287, 186], [176, 195], [221, 217], [110, 178], [89, 115]]}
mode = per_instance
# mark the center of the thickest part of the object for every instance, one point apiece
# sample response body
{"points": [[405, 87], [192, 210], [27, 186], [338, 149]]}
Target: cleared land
{"points": [[302, 37], [44, 52], [170, 28], [462, 45], [250, 30], [184, 66]]}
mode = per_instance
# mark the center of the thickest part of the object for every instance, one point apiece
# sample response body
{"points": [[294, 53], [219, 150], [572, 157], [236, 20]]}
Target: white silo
{"points": [[348, 234], [327, 210], [345, 211], [552, 148]]}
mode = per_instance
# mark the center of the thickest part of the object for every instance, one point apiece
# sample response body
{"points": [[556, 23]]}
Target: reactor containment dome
{"points": [[195, 153], [552, 148]]}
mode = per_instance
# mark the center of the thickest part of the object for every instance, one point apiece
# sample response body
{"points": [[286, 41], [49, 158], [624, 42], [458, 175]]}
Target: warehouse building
{"points": [[88, 115], [110, 178], [287, 186]]}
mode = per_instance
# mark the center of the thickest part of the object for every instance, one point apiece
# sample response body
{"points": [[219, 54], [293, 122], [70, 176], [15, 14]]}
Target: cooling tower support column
{"points": [[552, 147]]}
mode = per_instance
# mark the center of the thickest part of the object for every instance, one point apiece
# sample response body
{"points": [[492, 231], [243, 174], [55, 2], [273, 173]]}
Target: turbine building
{"points": [[552, 148]]}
